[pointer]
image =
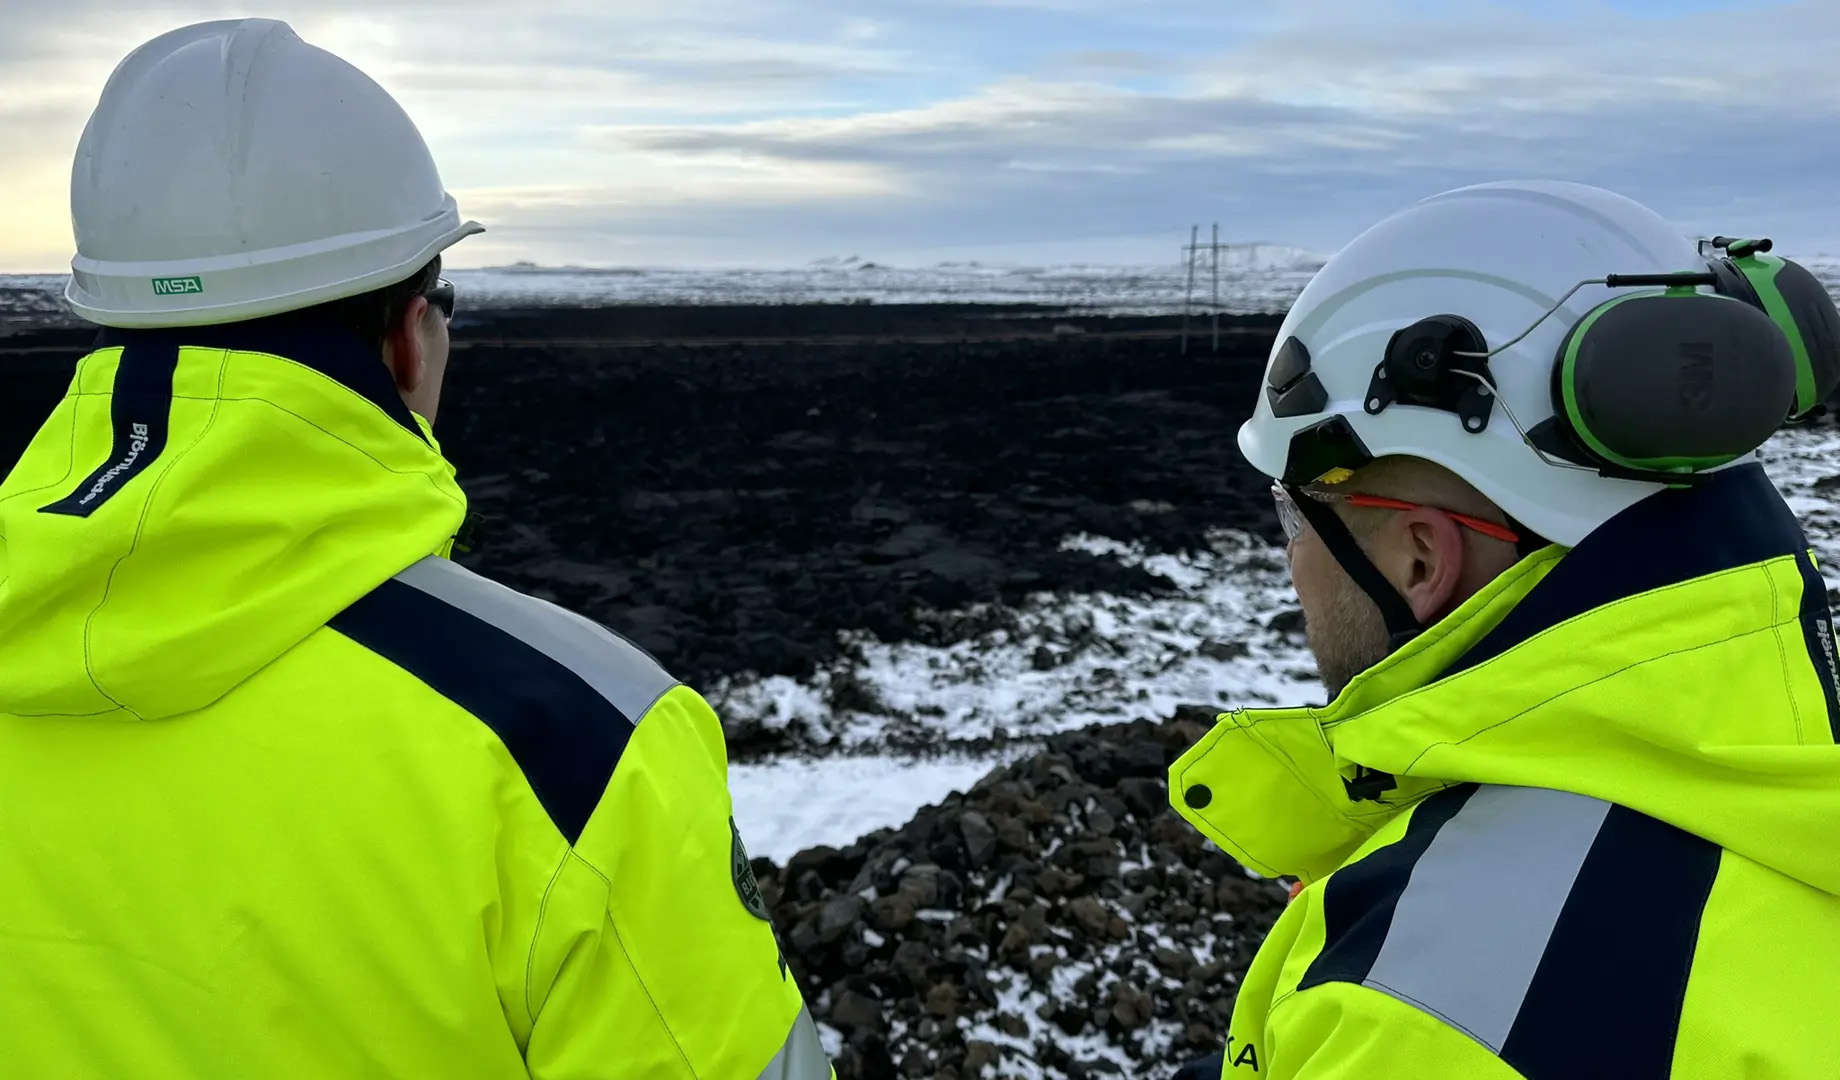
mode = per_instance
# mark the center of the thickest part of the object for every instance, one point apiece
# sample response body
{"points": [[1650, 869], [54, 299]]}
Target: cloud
{"points": [[779, 130], [1116, 61], [1328, 119]]}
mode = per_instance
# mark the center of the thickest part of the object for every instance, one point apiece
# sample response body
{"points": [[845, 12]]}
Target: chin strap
{"points": [[1401, 625]]}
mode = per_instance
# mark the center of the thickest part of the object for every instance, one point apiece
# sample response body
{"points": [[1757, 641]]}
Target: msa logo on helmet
{"points": [[135, 446], [174, 286]]}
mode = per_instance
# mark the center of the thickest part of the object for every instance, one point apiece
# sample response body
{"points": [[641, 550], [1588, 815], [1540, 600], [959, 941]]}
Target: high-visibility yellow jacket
{"points": [[284, 792], [1613, 847]]}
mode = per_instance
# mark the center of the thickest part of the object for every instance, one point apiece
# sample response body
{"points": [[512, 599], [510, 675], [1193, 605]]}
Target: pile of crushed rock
{"points": [[1057, 921]]}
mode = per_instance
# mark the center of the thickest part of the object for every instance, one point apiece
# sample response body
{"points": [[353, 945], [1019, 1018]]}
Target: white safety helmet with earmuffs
{"points": [[232, 171], [1562, 348]]}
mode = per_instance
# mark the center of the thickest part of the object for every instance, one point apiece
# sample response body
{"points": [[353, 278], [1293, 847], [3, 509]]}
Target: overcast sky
{"points": [[774, 132]]}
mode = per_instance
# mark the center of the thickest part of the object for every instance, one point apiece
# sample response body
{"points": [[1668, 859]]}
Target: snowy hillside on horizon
{"points": [[1254, 279]]}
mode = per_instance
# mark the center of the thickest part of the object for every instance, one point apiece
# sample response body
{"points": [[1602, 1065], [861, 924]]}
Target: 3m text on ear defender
{"points": [[1673, 382]]}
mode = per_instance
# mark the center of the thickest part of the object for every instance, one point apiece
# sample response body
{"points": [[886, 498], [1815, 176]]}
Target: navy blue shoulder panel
{"points": [[1505, 913], [140, 412], [565, 735], [1611, 985], [1735, 518], [1359, 899]]}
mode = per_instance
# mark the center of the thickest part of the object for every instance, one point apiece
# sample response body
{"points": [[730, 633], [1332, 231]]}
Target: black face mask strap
{"points": [[1401, 625]]}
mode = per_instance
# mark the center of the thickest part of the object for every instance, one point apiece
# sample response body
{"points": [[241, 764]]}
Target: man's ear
{"points": [[402, 347], [1431, 564]]}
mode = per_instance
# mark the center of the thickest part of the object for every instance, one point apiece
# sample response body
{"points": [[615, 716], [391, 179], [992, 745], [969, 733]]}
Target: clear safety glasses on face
{"points": [[1292, 520]]}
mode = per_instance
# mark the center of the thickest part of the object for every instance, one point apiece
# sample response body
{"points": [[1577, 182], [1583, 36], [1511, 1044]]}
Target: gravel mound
{"points": [[1057, 921]]}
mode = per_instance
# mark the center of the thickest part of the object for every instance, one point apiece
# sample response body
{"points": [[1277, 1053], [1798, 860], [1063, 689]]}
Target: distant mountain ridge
{"points": [[1256, 277], [1240, 255]]}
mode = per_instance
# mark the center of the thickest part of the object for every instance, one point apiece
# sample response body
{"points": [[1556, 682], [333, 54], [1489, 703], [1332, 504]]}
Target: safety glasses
{"points": [[441, 295], [1292, 519]]}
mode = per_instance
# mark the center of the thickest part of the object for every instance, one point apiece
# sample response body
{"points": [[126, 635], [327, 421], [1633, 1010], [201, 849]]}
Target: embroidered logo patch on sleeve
{"points": [[747, 886]]}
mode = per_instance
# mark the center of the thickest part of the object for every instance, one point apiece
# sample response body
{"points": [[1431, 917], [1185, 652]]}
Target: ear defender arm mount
{"points": [[1442, 363]]}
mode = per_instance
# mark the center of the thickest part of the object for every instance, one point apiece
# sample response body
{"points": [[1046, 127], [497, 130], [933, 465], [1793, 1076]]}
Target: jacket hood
{"points": [[200, 502], [1679, 662]]}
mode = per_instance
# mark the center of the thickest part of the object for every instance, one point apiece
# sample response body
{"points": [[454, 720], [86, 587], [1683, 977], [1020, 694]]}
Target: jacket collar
{"points": [[1270, 785], [340, 355], [1733, 518]]}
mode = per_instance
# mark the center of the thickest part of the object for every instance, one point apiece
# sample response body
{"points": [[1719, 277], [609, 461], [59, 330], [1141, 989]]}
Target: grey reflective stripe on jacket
{"points": [[620, 671], [803, 1057], [1473, 923]]}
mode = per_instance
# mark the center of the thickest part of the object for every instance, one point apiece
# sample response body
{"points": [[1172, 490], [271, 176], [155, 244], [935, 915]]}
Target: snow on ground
{"points": [[1085, 981], [1805, 465], [1053, 663], [1059, 661], [1065, 661], [1160, 1039], [783, 807]]}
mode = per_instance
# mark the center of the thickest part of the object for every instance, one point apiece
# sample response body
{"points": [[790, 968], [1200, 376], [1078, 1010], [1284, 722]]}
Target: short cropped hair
{"points": [[374, 314]]}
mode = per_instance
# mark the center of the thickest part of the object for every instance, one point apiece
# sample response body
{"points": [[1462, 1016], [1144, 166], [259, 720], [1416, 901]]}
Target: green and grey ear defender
{"points": [[1797, 302], [1656, 386]]}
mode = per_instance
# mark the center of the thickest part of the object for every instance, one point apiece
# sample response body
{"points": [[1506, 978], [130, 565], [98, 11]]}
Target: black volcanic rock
{"points": [[1109, 918]]}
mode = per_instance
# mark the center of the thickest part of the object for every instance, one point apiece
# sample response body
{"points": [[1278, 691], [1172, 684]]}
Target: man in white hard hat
{"points": [[283, 790], [1574, 807]]}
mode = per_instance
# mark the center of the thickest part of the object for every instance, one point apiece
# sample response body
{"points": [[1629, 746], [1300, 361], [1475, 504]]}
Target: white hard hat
{"points": [[231, 171], [1499, 255]]}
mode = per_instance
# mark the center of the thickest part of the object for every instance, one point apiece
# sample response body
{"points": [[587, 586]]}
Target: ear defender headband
{"points": [[1657, 386], [1797, 302]]}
